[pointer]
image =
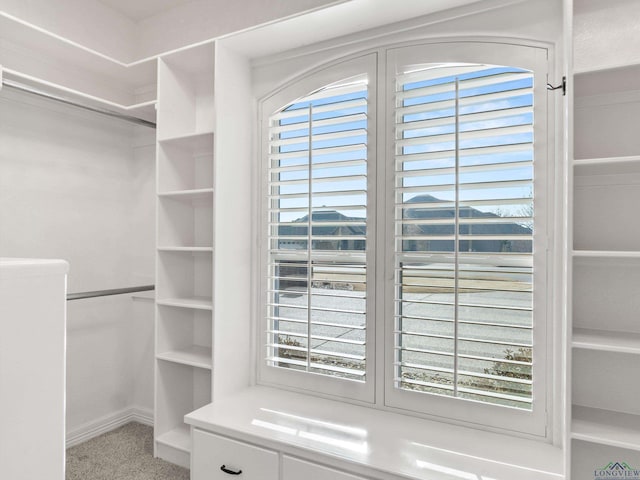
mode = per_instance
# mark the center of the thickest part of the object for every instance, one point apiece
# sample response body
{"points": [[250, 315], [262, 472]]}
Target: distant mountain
{"points": [[447, 213], [335, 225], [338, 225]]}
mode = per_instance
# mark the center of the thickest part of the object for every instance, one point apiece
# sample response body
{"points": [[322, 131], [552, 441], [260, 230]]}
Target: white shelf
{"points": [[178, 438], [605, 340], [606, 254], [614, 78], [198, 141], [607, 166], [195, 355], [606, 427], [200, 303], [189, 195], [186, 249], [605, 160]]}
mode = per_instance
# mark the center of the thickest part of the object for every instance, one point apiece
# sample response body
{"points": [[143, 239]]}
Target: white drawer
{"points": [[294, 469], [211, 452]]}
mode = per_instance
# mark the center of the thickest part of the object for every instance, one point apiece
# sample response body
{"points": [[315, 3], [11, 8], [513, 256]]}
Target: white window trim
{"points": [[536, 423]]}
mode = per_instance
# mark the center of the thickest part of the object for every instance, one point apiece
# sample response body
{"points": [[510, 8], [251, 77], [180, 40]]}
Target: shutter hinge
{"points": [[562, 86]]}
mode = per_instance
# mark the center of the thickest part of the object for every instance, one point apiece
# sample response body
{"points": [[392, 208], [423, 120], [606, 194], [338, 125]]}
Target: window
{"points": [[318, 232], [317, 287], [459, 199], [464, 226]]}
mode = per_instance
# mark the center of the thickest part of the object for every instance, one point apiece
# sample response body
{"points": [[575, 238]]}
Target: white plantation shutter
{"points": [[464, 233], [423, 230], [317, 233]]}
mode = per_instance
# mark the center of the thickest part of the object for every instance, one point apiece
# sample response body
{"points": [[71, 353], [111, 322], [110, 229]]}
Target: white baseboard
{"points": [[142, 415], [107, 423]]}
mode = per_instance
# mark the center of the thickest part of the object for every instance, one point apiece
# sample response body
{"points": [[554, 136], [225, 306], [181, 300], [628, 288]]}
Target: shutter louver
{"points": [[464, 233], [317, 233]]}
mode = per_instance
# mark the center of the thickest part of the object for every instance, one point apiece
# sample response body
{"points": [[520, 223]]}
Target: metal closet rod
{"points": [[113, 291], [66, 101]]}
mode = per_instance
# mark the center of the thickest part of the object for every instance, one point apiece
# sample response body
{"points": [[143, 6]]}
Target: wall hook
{"points": [[562, 86]]}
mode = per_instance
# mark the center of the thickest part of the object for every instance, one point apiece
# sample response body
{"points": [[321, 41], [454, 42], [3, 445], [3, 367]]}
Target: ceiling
{"points": [[137, 10]]}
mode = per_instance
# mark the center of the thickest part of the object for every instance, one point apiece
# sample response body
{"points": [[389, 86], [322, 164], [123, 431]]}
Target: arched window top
{"points": [[337, 92]]}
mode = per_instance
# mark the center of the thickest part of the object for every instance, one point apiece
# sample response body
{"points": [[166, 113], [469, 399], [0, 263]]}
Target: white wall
{"points": [[73, 187], [540, 21], [606, 33]]}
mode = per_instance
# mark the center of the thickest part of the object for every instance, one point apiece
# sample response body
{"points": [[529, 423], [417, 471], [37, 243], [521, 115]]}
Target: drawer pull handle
{"points": [[230, 472]]}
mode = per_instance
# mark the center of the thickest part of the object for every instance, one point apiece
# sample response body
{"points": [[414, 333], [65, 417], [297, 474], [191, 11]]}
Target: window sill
{"points": [[373, 442]]}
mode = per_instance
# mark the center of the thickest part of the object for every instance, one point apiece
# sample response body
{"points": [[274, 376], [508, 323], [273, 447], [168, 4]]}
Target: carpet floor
{"points": [[125, 453]]}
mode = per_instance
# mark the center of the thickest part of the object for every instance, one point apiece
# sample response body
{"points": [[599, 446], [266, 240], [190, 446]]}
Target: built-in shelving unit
{"points": [[605, 263], [184, 266]]}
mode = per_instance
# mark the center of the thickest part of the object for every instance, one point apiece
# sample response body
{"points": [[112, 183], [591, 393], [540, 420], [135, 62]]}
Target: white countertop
{"points": [[391, 443]]}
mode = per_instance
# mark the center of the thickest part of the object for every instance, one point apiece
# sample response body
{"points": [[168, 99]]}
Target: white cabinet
{"points": [[184, 259], [220, 458], [296, 469]]}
